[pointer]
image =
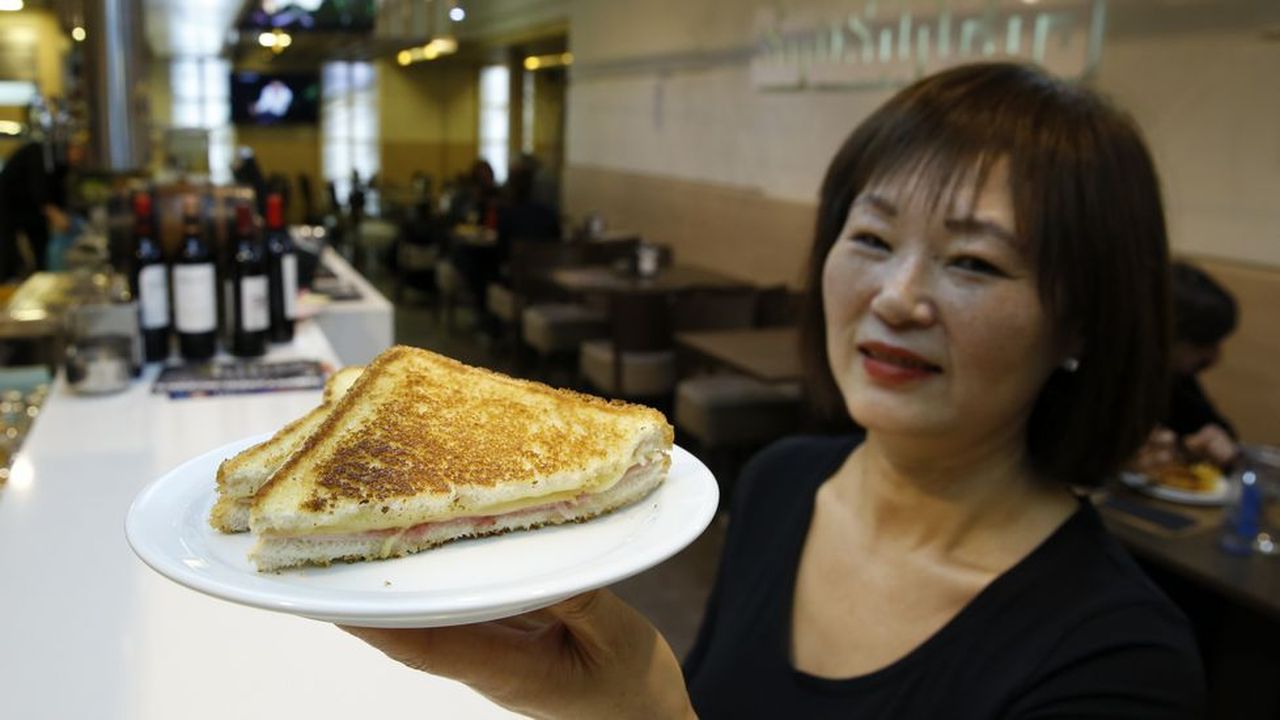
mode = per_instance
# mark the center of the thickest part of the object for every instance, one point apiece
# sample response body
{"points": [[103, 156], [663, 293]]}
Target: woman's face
{"points": [[934, 323]]}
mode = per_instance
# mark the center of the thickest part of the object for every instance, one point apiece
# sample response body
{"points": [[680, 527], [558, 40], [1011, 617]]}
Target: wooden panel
{"points": [[1245, 385], [737, 231], [440, 160]]}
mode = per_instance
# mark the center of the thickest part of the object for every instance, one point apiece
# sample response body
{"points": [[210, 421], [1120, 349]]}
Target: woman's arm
{"points": [[592, 656]]}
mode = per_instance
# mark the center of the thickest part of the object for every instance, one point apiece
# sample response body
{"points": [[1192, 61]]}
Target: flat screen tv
{"points": [[274, 99], [318, 15]]}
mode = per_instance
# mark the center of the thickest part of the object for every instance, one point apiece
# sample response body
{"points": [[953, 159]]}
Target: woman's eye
{"points": [[969, 263], [869, 240]]}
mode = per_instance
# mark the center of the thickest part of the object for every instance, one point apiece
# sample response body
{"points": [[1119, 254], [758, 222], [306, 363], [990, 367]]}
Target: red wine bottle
{"points": [[150, 280], [195, 314], [247, 278], [282, 268]]}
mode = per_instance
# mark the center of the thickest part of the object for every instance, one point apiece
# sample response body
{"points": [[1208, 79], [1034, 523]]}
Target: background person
{"points": [[1204, 315]]}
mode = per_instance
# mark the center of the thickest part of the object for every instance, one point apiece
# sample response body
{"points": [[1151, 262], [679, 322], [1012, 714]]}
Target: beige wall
{"points": [[289, 150], [35, 34], [1205, 99], [428, 119], [1209, 104]]}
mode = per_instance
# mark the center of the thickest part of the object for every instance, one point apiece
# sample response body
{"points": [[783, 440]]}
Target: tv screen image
{"points": [[320, 15], [274, 99]]}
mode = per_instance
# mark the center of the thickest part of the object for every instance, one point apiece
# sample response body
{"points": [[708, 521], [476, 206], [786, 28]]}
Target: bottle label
{"points": [[289, 277], [153, 297], [195, 298], [254, 310]]}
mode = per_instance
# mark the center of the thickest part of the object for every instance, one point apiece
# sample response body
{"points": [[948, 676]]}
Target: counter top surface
{"points": [[88, 631]]}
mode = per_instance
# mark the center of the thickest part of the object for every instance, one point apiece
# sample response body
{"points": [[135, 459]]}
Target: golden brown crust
{"points": [[418, 423]]}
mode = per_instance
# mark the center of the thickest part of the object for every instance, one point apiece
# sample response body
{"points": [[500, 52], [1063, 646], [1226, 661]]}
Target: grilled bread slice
{"points": [[241, 476], [424, 449]]}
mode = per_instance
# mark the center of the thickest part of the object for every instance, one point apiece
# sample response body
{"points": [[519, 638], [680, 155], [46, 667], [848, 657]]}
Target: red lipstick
{"points": [[892, 365]]}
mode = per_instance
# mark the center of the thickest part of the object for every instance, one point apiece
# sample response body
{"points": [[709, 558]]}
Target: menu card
{"points": [[230, 378]]}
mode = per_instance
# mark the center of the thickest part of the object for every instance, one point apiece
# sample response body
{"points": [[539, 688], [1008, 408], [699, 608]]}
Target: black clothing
{"points": [[1073, 630], [28, 183], [527, 221], [1190, 409]]}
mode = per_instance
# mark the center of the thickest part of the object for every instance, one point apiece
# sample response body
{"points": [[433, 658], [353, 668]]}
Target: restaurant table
{"points": [[88, 631], [768, 354], [1252, 581], [605, 279]]}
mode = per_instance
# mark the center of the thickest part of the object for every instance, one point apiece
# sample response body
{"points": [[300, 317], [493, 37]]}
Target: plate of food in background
{"points": [[1198, 483]]}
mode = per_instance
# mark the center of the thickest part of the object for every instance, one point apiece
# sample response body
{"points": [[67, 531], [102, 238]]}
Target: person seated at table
{"points": [[475, 199], [1204, 315], [521, 217], [978, 304]]}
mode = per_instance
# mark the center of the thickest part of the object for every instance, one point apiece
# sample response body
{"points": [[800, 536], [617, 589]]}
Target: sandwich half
{"points": [[241, 476], [424, 449]]}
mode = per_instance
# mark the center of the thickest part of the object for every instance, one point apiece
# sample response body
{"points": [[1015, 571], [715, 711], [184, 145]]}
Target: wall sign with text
{"points": [[890, 43]]}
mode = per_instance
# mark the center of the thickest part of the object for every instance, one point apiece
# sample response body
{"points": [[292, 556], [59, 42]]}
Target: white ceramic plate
{"points": [[462, 582], [1143, 484]]}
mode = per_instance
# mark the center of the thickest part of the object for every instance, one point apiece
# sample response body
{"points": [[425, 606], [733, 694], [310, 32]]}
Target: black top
{"points": [[1190, 409], [1073, 630], [26, 186]]}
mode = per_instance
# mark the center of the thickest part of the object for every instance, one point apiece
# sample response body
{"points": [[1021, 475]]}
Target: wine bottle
{"points": [[195, 298], [282, 268], [250, 316], [150, 280]]}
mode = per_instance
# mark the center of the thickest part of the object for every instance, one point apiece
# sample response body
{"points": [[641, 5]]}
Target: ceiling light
{"points": [[9, 127], [566, 58], [284, 40], [77, 33], [267, 39], [404, 57], [11, 5], [531, 63], [457, 14]]}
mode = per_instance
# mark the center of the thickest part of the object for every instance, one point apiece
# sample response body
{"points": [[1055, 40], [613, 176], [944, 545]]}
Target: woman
{"points": [[991, 264]]}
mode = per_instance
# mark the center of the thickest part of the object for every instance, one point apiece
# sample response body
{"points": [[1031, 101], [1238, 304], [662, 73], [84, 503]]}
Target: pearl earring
{"points": [[1071, 364]]}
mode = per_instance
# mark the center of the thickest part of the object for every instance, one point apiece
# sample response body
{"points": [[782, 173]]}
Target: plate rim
{"points": [[1147, 485], [392, 610]]}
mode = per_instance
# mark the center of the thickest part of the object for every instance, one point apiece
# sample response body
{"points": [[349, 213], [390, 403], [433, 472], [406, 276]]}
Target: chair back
{"points": [[532, 262], [641, 322], [607, 252], [716, 308], [778, 306]]}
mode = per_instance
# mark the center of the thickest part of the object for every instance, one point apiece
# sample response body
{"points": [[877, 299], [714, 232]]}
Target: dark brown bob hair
{"points": [[1087, 203]]}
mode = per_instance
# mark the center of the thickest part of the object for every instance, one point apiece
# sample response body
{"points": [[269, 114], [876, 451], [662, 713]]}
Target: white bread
{"points": [[241, 476], [421, 438], [276, 553]]}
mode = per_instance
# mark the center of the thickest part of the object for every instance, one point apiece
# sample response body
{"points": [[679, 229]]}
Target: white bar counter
{"points": [[357, 329], [88, 632]]}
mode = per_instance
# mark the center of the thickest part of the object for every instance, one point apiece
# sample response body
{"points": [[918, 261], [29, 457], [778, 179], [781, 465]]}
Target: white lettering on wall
{"points": [[894, 43]]}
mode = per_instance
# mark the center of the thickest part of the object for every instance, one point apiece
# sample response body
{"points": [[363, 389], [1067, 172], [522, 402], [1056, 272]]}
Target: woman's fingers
{"points": [[470, 653]]}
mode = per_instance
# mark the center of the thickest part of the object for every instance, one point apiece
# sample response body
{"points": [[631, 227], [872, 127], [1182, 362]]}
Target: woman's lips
{"points": [[892, 365]]}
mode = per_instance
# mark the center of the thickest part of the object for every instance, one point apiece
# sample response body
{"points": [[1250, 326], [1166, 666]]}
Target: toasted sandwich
{"points": [[424, 449], [241, 476]]}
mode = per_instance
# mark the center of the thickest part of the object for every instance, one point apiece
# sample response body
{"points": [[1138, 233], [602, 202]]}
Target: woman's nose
{"points": [[905, 296]]}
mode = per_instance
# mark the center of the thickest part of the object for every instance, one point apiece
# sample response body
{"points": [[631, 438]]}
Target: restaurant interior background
{"points": [[661, 126], [701, 125]]}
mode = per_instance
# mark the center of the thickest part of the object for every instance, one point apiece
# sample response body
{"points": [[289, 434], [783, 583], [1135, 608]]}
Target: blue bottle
{"points": [[1243, 518]]}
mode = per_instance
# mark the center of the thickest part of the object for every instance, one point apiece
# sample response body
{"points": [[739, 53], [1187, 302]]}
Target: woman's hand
{"points": [[591, 656]]}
